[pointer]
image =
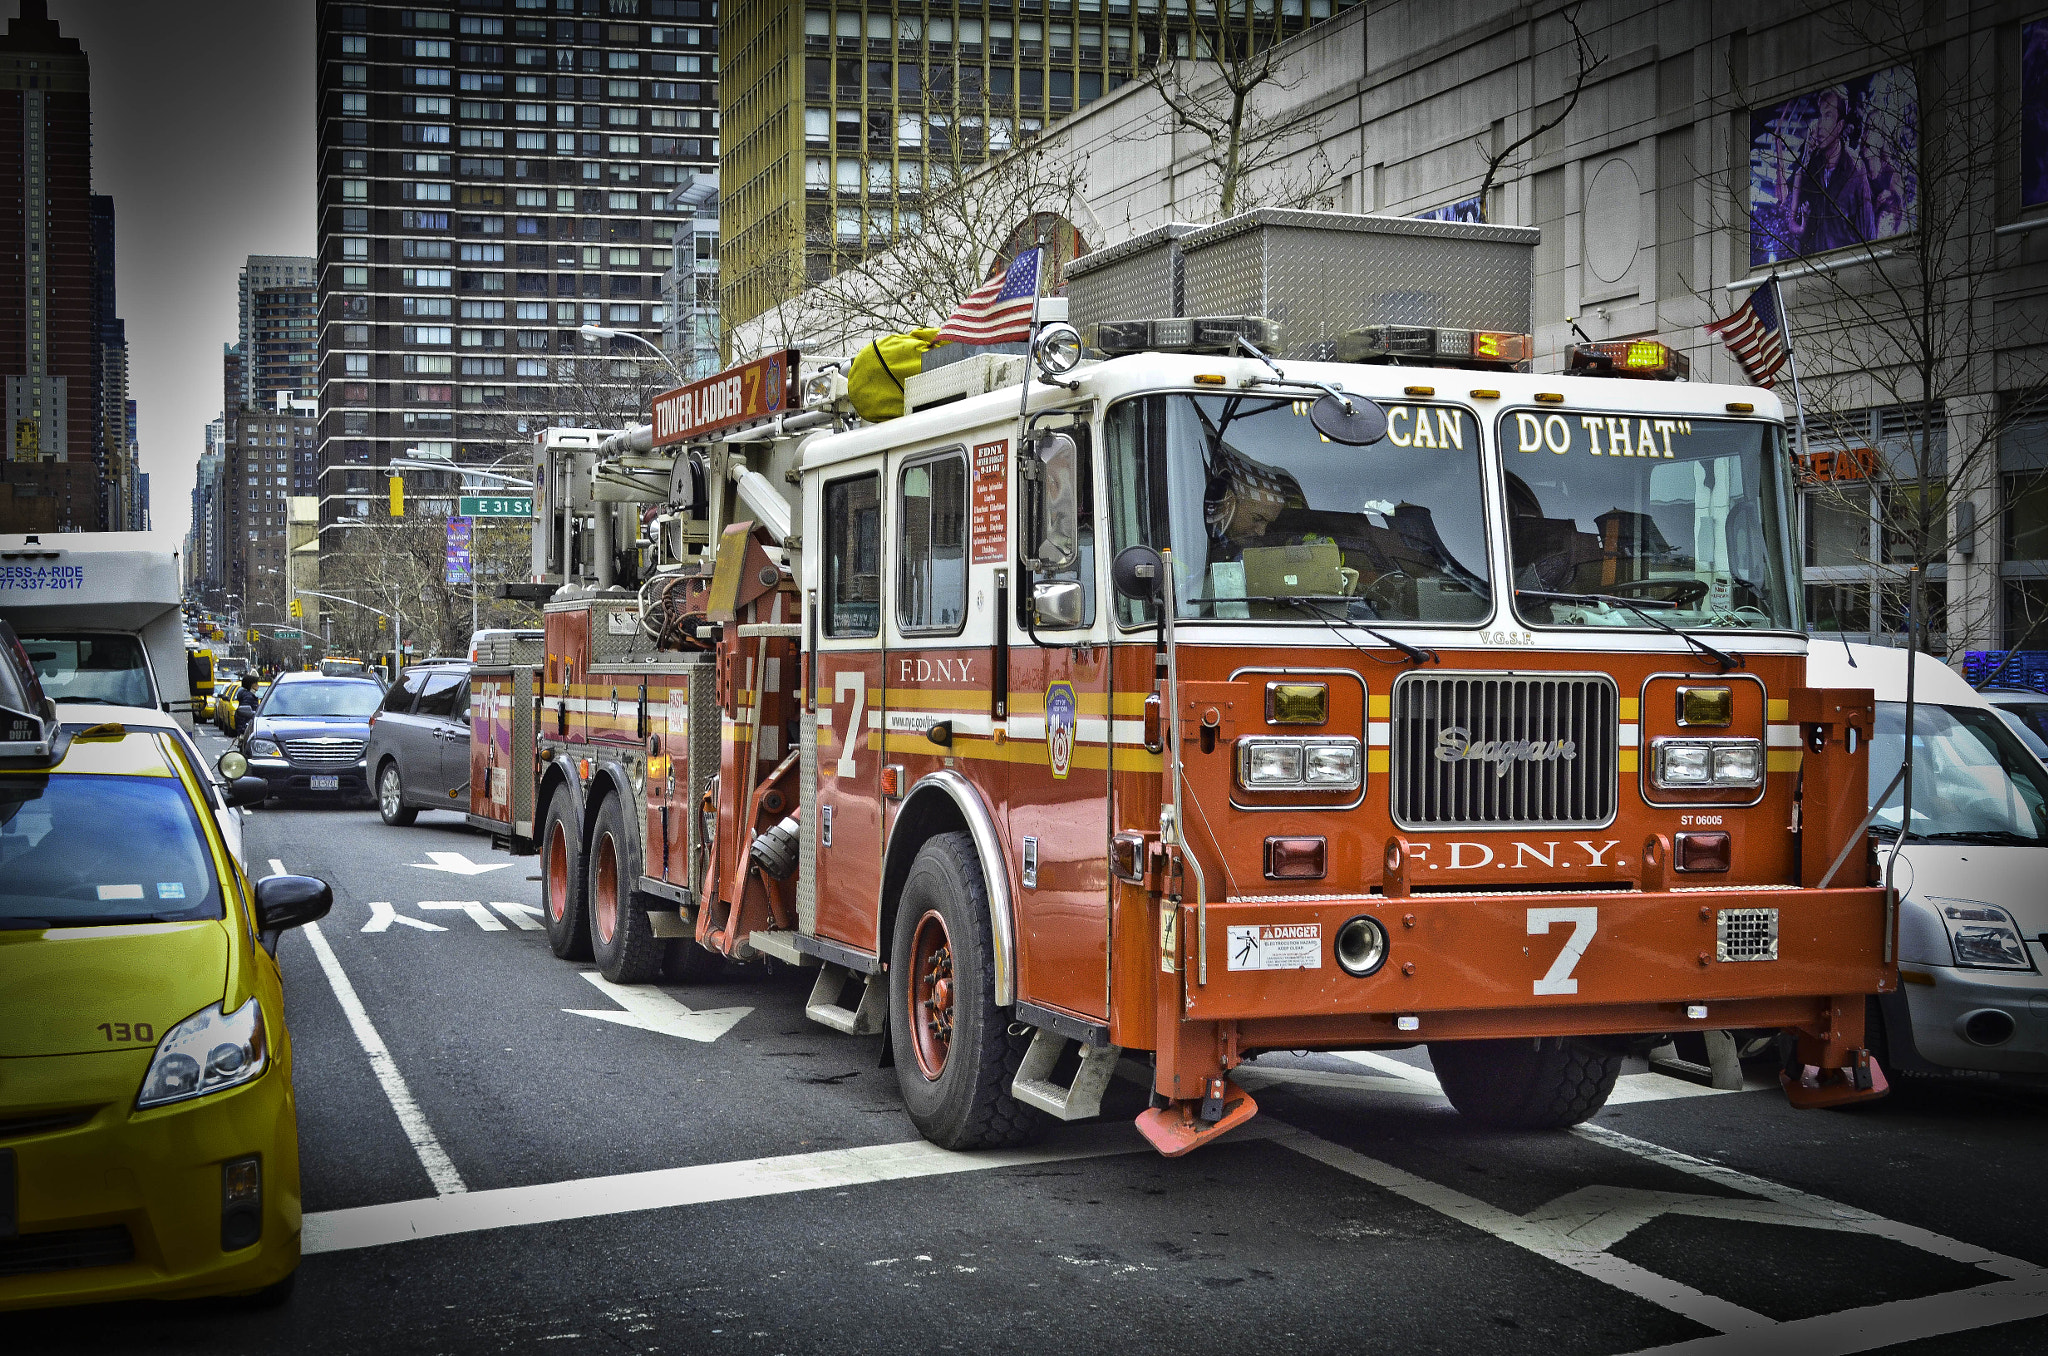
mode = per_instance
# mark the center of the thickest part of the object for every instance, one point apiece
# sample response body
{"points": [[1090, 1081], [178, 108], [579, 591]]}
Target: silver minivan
{"points": [[1973, 910], [418, 757]]}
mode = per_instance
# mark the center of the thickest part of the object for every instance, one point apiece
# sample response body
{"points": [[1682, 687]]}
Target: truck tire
{"points": [[622, 941], [561, 881], [1546, 1083], [391, 796], [955, 1059]]}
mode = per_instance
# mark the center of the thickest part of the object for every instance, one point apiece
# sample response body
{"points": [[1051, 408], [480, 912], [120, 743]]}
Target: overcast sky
{"points": [[202, 120]]}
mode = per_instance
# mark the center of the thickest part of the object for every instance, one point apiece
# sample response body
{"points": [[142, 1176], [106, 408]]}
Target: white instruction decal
{"points": [[1277, 946]]}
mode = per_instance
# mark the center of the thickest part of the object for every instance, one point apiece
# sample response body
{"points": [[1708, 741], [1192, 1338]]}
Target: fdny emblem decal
{"points": [[1060, 709]]}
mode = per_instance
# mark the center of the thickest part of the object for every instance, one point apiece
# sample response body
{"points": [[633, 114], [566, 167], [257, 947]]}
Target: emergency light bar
{"points": [[1183, 334], [1434, 345], [1642, 358]]}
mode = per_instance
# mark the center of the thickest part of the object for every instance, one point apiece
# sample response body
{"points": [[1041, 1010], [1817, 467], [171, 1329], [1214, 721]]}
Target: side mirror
{"points": [[247, 790], [1059, 605], [1136, 573], [232, 765], [291, 901], [1059, 501]]}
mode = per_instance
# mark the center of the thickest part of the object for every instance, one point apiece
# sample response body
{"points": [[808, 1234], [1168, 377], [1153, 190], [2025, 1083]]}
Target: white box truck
{"points": [[99, 614]]}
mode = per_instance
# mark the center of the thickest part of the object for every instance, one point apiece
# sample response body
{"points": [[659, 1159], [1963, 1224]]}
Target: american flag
{"points": [[1000, 308], [1755, 334]]}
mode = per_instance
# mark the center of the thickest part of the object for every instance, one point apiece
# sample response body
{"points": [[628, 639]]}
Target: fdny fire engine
{"points": [[1267, 660]]}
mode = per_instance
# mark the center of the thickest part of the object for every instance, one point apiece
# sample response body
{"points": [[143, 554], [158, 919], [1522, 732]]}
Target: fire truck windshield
{"points": [[1261, 511], [1686, 516]]}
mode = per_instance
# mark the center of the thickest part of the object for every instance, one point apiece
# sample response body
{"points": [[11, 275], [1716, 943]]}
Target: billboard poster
{"points": [[1834, 167], [2034, 113], [1464, 209], [458, 550]]}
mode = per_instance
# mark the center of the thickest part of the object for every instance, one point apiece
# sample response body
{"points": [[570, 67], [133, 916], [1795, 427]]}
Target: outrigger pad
{"points": [[1178, 1127], [1862, 1081]]}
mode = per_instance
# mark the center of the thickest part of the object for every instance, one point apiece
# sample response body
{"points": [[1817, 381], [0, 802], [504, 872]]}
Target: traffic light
{"points": [[298, 608], [398, 496], [380, 623], [252, 635]]}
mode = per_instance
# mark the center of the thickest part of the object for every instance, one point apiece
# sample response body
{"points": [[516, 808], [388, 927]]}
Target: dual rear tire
{"points": [[588, 901]]}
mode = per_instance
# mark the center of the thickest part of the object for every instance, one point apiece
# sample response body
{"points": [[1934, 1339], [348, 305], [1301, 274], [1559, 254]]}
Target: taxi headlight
{"points": [[210, 1051], [1702, 764], [265, 748], [1985, 937]]}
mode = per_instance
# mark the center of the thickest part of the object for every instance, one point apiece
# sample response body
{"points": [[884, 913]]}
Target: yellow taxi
{"points": [[148, 1132]]}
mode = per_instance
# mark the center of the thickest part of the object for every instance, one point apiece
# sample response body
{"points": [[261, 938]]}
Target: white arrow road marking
{"points": [[456, 864], [478, 914], [382, 916], [520, 915], [652, 1010]]}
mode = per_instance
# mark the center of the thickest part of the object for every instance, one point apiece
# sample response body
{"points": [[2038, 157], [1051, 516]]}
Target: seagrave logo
{"points": [[1060, 709], [1454, 745]]}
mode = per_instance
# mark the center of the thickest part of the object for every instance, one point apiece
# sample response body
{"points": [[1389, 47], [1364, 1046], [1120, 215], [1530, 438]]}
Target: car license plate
{"points": [[328, 783]]}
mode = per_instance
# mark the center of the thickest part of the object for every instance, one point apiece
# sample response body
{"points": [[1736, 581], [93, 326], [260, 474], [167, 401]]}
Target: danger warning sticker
{"points": [[1277, 946]]}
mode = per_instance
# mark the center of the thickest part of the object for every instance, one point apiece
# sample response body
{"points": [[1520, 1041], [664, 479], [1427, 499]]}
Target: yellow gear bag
{"points": [[875, 380]]}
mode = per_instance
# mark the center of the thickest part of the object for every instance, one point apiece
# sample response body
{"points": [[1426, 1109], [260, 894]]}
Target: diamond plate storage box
{"points": [[1135, 279], [1322, 274]]}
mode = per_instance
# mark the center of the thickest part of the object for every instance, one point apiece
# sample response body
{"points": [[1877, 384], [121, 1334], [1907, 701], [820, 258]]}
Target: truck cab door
{"points": [[1057, 826], [843, 626]]}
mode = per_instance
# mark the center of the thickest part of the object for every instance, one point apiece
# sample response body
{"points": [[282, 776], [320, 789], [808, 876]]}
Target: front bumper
{"points": [[289, 779], [1940, 1010], [141, 1185], [1461, 966]]}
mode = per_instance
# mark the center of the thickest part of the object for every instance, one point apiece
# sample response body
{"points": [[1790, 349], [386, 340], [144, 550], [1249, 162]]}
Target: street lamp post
{"points": [[593, 333]]}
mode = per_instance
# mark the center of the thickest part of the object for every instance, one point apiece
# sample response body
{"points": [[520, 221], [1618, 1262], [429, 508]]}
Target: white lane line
{"points": [[1391, 1075], [525, 916], [440, 1171], [1708, 1310], [702, 1184], [1878, 1325], [1925, 1240], [277, 868]]}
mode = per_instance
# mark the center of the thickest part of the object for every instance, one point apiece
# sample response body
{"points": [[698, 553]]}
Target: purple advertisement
{"points": [[1834, 167], [458, 550], [2034, 113], [1465, 209]]}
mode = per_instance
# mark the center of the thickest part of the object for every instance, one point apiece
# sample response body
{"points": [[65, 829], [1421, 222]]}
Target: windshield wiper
{"points": [[1642, 609], [1995, 837], [1416, 654]]}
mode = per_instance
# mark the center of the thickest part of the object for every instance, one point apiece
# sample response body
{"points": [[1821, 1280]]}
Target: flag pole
{"points": [[1037, 285], [1792, 361]]}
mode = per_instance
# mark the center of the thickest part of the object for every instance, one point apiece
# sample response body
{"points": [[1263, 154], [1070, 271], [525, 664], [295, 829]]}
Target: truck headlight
{"points": [[1706, 764], [210, 1051], [1985, 936], [265, 748], [1277, 764]]}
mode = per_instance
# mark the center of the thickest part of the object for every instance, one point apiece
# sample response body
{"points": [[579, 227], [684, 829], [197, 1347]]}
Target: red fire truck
{"points": [[1274, 665]]}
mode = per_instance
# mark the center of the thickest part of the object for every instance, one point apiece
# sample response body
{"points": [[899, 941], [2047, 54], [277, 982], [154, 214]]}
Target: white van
{"points": [[1972, 872], [100, 614]]}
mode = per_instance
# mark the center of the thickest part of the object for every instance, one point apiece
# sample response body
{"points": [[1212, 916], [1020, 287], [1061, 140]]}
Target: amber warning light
{"points": [[1644, 358]]}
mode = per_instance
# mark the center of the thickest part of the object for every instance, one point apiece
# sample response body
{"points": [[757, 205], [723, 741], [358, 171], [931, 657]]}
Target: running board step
{"points": [[1079, 1100], [823, 1006]]}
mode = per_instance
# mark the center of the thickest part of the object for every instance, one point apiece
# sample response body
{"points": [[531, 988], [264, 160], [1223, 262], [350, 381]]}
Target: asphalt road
{"points": [[501, 1155]]}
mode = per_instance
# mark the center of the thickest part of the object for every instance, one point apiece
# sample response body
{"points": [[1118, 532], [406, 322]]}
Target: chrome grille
{"points": [[1513, 731], [325, 752]]}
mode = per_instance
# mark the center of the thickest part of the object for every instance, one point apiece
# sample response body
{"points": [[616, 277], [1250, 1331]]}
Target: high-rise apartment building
{"points": [[277, 315], [49, 344], [266, 462], [494, 175], [839, 115]]}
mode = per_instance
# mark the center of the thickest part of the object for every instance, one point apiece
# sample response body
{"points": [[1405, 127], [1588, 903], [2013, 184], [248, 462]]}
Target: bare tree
{"points": [[1912, 356], [1506, 157], [399, 566], [1231, 90]]}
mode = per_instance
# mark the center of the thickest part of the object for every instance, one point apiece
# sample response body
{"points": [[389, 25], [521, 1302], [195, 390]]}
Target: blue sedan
{"points": [[308, 736]]}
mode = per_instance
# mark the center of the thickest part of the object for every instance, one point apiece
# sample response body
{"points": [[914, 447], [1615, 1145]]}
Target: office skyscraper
{"points": [[492, 177], [49, 354]]}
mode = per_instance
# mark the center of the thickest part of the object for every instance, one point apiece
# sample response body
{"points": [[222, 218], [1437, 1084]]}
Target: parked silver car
{"points": [[419, 743]]}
